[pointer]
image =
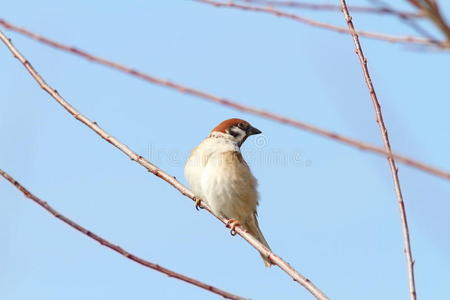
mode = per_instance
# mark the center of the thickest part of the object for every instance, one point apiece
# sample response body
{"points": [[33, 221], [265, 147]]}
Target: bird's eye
{"points": [[241, 125]]}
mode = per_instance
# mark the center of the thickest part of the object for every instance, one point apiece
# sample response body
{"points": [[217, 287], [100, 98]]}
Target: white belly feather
{"points": [[222, 179]]}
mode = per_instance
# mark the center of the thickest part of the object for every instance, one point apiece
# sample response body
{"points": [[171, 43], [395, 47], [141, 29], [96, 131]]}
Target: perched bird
{"points": [[219, 175]]}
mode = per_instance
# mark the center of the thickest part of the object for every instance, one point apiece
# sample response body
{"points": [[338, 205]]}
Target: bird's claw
{"points": [[198, 203], [232, 223]]}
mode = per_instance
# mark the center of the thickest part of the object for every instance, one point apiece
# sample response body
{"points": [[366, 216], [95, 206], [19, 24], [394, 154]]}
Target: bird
{"points": [[219, 175]]}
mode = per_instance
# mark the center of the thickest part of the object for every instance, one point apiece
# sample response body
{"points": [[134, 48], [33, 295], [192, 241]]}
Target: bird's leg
{"points": [[198, 203], [232, 223]]}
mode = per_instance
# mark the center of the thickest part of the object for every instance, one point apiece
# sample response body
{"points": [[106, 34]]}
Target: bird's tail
{"points": [[253, 228]]}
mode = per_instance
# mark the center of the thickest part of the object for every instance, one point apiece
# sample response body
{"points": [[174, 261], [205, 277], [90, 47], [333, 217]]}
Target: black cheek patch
{"points": [[232, 132]]}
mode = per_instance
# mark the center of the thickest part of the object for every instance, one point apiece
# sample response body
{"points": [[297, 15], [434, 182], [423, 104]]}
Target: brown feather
{"points": [[222, 127]]}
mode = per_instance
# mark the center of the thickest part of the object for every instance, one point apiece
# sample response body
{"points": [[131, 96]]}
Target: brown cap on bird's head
{"points": [[238, 128], [244, 125], [223, 126]]}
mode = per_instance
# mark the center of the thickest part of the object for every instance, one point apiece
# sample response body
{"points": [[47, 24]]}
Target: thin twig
{"points": [[226, 102], [411, 22], [275, 259], [117, 248], [279, 13], [409, 18], [333, 7], [430, 9], [387, 146]]}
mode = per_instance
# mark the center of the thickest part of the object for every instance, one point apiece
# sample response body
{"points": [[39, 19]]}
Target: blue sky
{"points": [[328, 209]]}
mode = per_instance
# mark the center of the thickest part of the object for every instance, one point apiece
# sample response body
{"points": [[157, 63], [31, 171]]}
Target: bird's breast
{"points": [[228, 185]]}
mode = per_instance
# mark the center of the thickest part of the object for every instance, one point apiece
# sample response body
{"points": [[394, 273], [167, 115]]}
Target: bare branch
{"points": [[233, 104], [430, 9], [117, 248], [387, 146], [373, 35], [275, 259], [333, 7], [409, 18]]}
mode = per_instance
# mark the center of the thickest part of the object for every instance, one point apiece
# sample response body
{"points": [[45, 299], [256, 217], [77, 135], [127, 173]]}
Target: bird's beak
{"points": [[252, 130]]}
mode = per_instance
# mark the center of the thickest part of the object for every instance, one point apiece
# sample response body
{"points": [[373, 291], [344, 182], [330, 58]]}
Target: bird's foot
{"points": [[232, 223], [198, 203]]}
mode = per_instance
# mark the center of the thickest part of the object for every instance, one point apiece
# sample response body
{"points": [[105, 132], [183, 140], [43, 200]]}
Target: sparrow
{"points": [[219, 175]]}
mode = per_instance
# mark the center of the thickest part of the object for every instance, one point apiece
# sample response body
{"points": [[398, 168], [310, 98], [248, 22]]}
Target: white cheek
{"points": [[238, 133]]}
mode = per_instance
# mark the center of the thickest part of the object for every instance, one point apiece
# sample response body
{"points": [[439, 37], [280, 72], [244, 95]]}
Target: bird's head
{"points": [[236, 129]]}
